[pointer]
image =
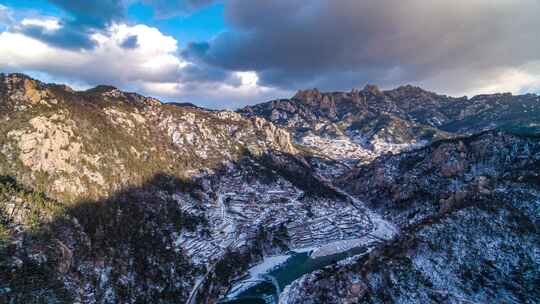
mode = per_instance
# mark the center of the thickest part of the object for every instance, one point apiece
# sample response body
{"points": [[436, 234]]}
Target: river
{"points": [[264, 286], [267, 279]]}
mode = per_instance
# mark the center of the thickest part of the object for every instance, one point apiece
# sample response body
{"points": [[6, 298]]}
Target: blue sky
{"points": [[229, 53], [201, 25]]}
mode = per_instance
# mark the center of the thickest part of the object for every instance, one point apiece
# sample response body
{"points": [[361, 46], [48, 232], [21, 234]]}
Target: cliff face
{"points": [[481, 252], [115, 197]]}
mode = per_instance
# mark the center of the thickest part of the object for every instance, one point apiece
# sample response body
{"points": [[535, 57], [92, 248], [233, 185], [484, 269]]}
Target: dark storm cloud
{"points": [[168, 8], [92, 13], [336, 44], [196, 51], [199, 71], [70, 35]]}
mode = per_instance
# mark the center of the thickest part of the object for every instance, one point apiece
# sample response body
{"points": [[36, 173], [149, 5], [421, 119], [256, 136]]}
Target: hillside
{"points": [[468, 212], [143, 185], [112, 197], [89, 144]]}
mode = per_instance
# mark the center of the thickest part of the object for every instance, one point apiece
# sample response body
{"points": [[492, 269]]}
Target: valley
{"points": [[365, 196]]}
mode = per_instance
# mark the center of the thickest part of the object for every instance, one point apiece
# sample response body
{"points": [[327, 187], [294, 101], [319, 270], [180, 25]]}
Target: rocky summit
{"points": [[398, 196]]}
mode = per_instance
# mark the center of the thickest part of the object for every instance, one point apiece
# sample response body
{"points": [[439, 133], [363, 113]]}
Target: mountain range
{"points": [[112, 197]]}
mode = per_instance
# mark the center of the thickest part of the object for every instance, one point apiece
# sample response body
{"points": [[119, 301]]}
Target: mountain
{"points": [[122, 198], [469, 228], [361, 125], [112, 197]]}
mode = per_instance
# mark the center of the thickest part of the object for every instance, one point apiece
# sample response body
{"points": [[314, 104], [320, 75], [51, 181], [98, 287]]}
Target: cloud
{"points": [[74, 31], [168, 8], [218, 95], [69, 35], [95, 13], [108, 62], [339, 44], [48, 24], [272, 48], [519, 80], [153, 66], [85, 18], [6, 17]]}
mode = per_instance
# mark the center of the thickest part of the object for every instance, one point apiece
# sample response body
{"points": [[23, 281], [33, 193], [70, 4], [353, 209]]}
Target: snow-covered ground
{"points": [[238, 205], [342, 148], [356, 147], [382, 230], [269, 263], [241, 206]]}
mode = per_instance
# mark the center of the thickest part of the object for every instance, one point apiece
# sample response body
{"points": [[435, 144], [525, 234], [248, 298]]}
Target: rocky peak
{"points": [[484, 97], [123, 128], [197, 196], [372, 89], [307, 94], [24, 91], [410, 90], [314, 98], [102, 89], [106, 91], [17, 81], [111, 93], [15, 78]]}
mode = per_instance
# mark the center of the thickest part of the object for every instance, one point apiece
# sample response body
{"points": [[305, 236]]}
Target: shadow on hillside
{"points": [[125, 242]]}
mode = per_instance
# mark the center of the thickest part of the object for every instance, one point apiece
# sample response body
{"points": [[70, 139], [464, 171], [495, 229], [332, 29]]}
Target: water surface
{"points": [[278, 278]]}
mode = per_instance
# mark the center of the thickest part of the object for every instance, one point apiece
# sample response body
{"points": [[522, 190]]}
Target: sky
{"points": [[231, 53]]}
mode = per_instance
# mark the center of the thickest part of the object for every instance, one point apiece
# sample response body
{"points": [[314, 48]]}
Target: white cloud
{"points": [[154, 59], [20, 52], [248, 79], [517, 80], [153, 67], [49, 24], [525, 79], [217, 94]]}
